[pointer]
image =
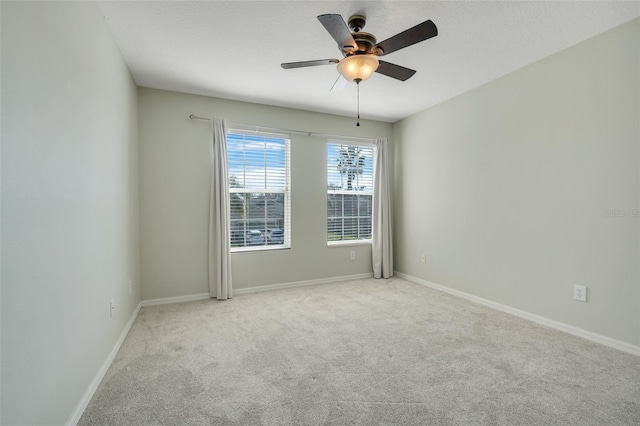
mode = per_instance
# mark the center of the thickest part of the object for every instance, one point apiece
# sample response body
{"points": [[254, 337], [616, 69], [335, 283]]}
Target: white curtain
{"points": [[382, 247], [219, 217]]}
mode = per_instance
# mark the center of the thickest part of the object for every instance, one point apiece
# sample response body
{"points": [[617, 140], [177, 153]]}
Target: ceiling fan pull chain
{"points": [[358, 100]]}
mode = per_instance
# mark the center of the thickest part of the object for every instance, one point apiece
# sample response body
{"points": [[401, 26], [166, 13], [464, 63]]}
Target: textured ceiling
{"points": [[233, 49]]}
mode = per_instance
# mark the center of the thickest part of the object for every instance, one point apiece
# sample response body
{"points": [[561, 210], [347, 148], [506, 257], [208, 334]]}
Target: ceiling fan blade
{"points": [[339, 84], [414, 35], [395, 71], [289, 65], [338, 29]]}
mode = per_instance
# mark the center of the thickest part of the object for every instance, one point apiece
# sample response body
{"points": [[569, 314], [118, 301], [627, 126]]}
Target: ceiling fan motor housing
{"points": [[365, 42]]}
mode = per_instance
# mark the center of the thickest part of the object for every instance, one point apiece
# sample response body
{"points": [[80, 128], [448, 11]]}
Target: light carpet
{"points": [[362, 352]]}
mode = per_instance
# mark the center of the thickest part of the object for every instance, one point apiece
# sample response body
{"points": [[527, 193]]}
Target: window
{"points": [[349, 192], [258, 190]]}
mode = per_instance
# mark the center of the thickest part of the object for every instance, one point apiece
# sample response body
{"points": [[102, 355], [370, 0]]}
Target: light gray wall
{"points": [[506, 187], [175, 169], [69, 205]]}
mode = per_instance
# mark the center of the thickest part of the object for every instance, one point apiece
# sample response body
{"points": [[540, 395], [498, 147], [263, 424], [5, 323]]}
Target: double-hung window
{"points": [[259, 190], [349, 192]]}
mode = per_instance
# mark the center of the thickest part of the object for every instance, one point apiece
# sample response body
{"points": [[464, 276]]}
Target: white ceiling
{"points": [[233, 49]]}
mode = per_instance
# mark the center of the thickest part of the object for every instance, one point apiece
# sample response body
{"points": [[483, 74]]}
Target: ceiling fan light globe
{"points": [[358, 67]]}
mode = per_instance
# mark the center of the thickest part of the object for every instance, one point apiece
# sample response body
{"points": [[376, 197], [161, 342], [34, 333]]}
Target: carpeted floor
{"points": [[361, 352]]}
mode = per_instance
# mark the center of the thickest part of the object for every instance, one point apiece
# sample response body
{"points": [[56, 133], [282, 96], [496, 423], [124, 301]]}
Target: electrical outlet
{"points": [[580, 293], [112, 307], [129, 287], [423, 258], [353, 255]]}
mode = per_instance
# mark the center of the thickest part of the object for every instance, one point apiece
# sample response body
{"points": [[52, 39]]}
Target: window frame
{"points": [[286, 191], [368, 193]]}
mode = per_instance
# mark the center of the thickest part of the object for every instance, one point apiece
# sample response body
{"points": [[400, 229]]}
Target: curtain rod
{"points": [[297, 132]]}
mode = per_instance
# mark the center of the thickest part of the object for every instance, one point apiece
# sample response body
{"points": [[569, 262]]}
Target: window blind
{"points": [[259, 181], [349, 191]]}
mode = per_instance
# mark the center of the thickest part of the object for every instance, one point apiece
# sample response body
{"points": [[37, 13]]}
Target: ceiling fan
{"points": [[361, 51]]}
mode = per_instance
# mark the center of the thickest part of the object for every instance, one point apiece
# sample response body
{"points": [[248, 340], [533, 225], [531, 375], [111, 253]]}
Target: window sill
{"points": [[349, 243], [259, 248]]}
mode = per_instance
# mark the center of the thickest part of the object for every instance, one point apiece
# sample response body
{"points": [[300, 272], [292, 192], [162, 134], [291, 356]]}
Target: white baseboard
{"points": [[86, 398], [594, 337], [176, 299], [301, 283], [239, 291]]}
